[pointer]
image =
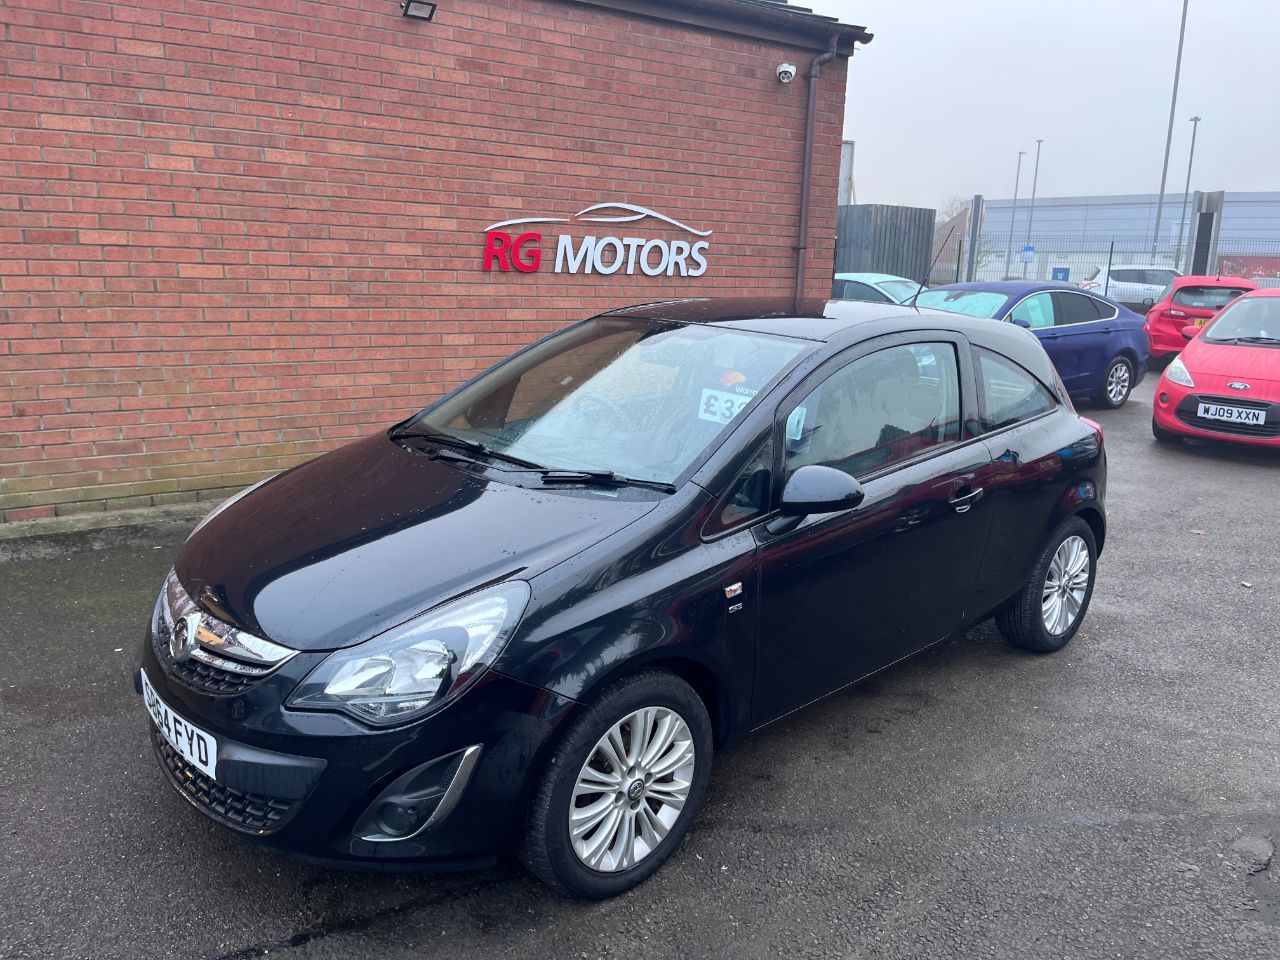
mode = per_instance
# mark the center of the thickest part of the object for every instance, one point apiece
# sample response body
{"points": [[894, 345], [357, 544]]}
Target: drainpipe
{"points": [[806, 185]]}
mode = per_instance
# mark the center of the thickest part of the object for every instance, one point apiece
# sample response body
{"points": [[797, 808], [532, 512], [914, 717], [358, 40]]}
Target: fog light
{"points": [[400, 819], [1164, 398], [418, 10]]}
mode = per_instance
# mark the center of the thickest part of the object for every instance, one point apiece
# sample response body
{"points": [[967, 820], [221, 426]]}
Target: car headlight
{"points": [[234, 498], [1177, 372], [418, 665]]}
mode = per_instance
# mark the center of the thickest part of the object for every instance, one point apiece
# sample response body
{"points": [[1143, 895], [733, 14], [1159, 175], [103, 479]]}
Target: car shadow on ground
{"points": [[744, 799]]}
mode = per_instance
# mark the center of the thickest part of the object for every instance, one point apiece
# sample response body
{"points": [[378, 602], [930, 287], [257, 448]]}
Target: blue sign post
{"points": [[1028, 254], [1062, 274]]}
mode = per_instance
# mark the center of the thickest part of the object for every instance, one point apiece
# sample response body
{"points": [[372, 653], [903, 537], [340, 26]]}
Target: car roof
{"points": [[816, 319], [1263, 292], [842, 323], [1205, 280], [872, 277], [1012, 287], [1142, 266]]}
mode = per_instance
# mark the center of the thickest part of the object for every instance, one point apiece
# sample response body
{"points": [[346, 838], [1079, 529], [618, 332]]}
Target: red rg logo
{"points": [[511, 253]]}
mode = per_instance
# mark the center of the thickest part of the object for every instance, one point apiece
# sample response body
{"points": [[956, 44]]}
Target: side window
{"points": [[1036, 310], [1106, 311], [1129, 276], [1159, 278], [1074, 308], [879, 410], [1010, 394], [854, 290], [749, 496]]}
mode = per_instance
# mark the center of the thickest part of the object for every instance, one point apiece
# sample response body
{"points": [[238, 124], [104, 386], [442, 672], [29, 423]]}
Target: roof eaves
{"points": [[772, 20]]}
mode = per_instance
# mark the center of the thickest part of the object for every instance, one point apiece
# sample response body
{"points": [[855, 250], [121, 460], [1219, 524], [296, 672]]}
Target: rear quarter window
{"points": [[1010, 394]]}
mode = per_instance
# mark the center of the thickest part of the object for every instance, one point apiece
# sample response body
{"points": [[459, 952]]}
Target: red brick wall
{"points": [[234, 235]]}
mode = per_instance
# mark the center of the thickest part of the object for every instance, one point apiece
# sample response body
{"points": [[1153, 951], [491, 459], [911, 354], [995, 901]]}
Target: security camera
{"points": [[786, 72]]}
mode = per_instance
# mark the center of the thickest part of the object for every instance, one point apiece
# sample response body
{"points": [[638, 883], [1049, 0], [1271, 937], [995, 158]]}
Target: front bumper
{"points": [[1174, 409], [311, 783]]}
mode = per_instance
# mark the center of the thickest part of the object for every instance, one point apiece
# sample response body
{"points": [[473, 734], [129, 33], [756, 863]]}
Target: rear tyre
{"points": [[1046, 613], [622, 788], [1161, 434], [1116, 385]]}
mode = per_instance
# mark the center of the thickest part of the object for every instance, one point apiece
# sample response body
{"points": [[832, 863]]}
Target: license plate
{"points": [[195, 746], [1218, 411]]}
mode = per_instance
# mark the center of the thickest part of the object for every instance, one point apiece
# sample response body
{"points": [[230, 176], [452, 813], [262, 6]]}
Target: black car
{"points": [[527, 616]]}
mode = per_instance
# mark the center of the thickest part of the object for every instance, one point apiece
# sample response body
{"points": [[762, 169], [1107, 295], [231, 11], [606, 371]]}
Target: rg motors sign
{"points": [[512, 245]]}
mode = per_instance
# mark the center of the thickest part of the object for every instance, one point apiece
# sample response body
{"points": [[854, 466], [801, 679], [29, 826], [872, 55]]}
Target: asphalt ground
{"points": [[974, 802]]}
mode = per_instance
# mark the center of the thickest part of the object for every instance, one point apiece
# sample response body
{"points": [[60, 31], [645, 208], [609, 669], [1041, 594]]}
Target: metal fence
{"points": [[1076, 259]]}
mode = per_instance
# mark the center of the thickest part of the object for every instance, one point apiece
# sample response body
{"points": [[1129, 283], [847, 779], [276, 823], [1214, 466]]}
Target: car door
{"points": [[1030, 464], [1125, 285], [844, 594], [1085, 336], [1038, 314]]}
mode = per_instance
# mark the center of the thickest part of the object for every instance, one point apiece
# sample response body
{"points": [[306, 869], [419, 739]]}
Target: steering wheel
{"points": [[611, 408]]}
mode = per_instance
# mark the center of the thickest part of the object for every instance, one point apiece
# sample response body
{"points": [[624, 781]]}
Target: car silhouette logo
{"points": [[1238, 385]]}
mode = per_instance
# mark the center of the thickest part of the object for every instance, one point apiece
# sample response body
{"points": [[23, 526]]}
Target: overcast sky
{"points": [[949, 91]]}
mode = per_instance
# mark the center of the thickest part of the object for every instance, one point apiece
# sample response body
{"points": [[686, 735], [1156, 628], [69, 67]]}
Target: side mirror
{"points": [[1190, 332], [818, 489], [1024, 324], [1149, 302]]}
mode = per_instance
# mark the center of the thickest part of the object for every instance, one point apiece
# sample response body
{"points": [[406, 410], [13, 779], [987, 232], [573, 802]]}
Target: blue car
{"points": [[1099, 347]]}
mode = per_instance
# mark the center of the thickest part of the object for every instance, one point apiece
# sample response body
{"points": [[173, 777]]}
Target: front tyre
{"points": [[622, 788], [1116, 385], [1046, 613]]}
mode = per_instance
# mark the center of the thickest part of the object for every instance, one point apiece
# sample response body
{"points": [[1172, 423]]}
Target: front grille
{"points": [[212, 656], [192, 673], [1269, 428], [249, 812]]}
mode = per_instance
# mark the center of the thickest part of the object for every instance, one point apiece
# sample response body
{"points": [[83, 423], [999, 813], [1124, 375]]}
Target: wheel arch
{"points": [[709, 687], [1091, 515]]}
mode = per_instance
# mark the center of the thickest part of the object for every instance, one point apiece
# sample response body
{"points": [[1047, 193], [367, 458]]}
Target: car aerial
{"points": [[1225, 384], [1189, 301], [527, 616], [1134, 286], [1098, 347], [873, 287]]}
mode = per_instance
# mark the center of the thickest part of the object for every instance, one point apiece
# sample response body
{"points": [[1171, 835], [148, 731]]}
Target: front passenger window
{"points": [[879, 410]]}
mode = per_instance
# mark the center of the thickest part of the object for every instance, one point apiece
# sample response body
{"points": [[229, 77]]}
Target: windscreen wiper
{"points": [[1267, 340], [604, 478], [474, 447]]}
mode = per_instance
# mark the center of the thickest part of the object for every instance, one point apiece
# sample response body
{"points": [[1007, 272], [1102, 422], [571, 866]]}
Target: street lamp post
{"points": [[1168, 140], [1017, 179], [1186, 192], [1031, 210]]}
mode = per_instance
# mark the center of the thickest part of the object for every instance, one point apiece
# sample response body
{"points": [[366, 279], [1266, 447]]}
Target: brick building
{"points": [[236, 234]]}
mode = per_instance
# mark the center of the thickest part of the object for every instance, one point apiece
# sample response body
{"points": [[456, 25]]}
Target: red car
{"points": [[1226, 382], [1189, 301]]}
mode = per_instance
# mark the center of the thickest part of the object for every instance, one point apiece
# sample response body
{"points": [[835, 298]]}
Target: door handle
{"points": [[963, 502]]}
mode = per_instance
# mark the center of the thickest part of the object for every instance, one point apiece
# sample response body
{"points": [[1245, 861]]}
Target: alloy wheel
{"points": [[1118, 383], [1065, 585], [631, 790]]}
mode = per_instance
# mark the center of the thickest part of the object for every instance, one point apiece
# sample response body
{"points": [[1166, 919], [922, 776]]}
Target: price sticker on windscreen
{"points": [[720, 406]]}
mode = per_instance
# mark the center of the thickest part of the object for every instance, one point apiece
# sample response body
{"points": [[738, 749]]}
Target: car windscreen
{"points": [[643, 399], [972, 303], [1205, 298], [1254, 319]]}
